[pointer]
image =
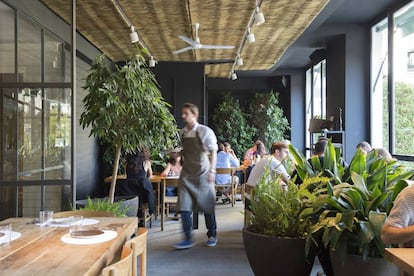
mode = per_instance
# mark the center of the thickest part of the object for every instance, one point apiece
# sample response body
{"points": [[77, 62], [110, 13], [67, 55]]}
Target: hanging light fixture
{"points": [[239, 61], [250, 37], [152, 62], [133, 35], [259, 17], [234, 76]]}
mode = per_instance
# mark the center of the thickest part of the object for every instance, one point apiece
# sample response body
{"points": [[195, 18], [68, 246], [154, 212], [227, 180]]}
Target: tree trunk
{"points": [[114, 173]]}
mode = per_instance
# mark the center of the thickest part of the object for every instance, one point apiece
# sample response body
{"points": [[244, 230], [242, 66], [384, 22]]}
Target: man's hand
{"points": [[211, 177]]}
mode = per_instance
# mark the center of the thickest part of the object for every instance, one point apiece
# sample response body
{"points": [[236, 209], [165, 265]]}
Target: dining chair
{"points": [[138, 245], [121, 268], [84, 213], [169, 200], [231, 185]]}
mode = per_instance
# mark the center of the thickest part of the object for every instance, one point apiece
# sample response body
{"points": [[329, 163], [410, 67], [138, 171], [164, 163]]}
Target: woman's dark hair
{"points": [[173, 161], [136, 160]]}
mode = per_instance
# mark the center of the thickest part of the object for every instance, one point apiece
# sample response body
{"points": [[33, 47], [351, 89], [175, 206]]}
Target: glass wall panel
{"points": [[57, 106], [317, 95], [379, 85], [57, 197], [29, 51], [29, 134], [403, 80], [53, 58], [7, 44]]}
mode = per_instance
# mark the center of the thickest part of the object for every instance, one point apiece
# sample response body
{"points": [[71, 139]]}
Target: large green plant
{"points": [[230, 125], [352, 206], [283, 211], [124, 108], [268, 118]]}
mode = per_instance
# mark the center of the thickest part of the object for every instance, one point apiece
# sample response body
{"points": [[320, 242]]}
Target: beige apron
{"points": [[195, 193]]}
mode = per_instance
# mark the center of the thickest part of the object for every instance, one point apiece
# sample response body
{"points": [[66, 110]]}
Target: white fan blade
{"points": [[183, 50], [216, 47], [186, 39]]}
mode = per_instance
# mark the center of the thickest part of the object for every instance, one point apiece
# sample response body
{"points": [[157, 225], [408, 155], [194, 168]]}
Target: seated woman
{"points": [[138, 170], [226, 160], [173, 168]]}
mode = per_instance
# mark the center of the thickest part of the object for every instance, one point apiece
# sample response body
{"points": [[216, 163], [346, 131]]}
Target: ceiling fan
{"points": [[195, 44]]}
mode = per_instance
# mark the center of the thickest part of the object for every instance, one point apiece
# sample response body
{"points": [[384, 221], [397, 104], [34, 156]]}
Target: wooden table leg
{"points": [[164, 183]]}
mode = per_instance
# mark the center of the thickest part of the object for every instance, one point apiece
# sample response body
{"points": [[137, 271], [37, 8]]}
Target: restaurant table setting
{"points": [[74, 246]]}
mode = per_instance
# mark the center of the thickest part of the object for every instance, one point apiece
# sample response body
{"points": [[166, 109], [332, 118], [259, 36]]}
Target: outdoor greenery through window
{"points": [[392, 83]]}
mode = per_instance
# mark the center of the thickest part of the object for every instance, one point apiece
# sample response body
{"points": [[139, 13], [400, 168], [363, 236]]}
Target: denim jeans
{"points": [[187, 222]]}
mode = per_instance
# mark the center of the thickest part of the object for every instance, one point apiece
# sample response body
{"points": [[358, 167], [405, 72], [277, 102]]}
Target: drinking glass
{"points": [[76, 224], [5, 233], [45, 217]]}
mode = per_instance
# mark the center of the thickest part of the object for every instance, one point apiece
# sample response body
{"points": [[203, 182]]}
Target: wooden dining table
{"points": [[403, 258], [40, 250]]}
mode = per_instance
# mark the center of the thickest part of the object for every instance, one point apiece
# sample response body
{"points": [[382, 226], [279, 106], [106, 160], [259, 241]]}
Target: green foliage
{"points": [[283, 211], [104, 205], [404, 125], [352, 206], [230, 125], [267, 117], [124, 108]]}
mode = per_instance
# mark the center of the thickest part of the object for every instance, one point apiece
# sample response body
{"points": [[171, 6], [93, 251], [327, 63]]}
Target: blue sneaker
{"points": [[185, 244], [212, 241]]}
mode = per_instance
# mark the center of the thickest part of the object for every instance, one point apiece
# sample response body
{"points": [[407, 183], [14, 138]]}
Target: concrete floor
{"points": [[226, 258]]}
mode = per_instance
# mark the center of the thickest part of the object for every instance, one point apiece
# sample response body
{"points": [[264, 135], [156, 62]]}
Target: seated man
{"points": [[399, 226], [278, 153], [226, 160]]}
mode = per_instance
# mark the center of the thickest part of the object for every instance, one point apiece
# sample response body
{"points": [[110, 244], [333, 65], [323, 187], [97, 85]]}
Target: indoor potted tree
{"points": [[352, 209], [274, 240], [124, 108]]}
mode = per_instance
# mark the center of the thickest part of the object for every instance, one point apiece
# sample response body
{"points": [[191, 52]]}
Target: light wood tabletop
{"points": [[403, 258], [40, 250]]}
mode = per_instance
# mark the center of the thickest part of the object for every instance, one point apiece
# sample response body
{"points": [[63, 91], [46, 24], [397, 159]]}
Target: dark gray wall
{"points": [[347, 73], [182, 82]]}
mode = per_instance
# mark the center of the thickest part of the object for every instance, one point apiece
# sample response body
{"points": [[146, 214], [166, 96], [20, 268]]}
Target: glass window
{"points": [[57, 106], [315, 98], [403, 81], [392, 83], [54, 62], [29, 134], [29, 51], [379, 85], [7, 44]]}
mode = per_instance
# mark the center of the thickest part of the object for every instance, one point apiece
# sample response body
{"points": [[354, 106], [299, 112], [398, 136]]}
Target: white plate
{"points": [[14, 236]]}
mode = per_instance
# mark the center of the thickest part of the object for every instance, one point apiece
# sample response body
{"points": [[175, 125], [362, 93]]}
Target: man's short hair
{"points": [[320, 147], [365, 146], [192, 107], [226, 144], [278, 146]]}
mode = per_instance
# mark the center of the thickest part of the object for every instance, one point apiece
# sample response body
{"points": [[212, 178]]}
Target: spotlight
{"points": [[152, 62], [250, 36], [239, 61], [234, 76], [133, 35], [259, 17]]}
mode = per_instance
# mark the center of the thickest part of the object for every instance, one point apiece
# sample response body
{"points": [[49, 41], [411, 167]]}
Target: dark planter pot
{"points": [[275, 256], [129, 202], [355, 265]]}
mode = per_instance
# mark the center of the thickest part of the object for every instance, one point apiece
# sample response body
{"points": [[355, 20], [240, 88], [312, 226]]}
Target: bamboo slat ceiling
{"points": [[160, 22]]}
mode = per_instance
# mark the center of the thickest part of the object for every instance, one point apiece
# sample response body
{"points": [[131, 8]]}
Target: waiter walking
{"points": [[196, 184]]}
